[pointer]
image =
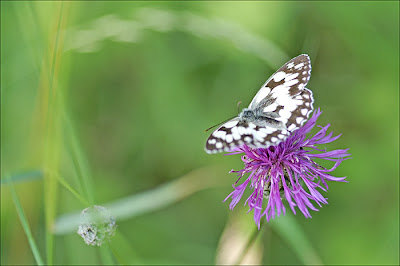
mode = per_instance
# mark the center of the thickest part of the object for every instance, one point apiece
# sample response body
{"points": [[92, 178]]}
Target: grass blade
{"points": [[51, 100], [81, 165], [23, 177], [72, 190], [25, 225], [106, 255]]}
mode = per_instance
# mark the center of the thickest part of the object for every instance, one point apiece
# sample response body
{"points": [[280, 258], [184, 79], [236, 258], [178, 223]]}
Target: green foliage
{"points": [[110, 100]]}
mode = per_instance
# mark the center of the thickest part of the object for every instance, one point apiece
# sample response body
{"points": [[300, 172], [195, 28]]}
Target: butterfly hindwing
{"points": [[225, 137], [236, 133], [304, 107], [267, 136]]}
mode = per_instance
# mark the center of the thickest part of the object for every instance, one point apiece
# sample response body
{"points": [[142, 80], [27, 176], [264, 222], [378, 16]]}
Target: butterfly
{"points": [[281, 106]]}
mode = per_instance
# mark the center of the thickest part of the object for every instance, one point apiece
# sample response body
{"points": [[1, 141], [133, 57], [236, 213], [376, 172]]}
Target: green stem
{"points": [[72, 190], [84, 178], [252, 239], [25, 226], [106, 254]]}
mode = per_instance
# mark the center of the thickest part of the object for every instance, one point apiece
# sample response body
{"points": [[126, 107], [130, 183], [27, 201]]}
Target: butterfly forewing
{"points": [[289, 80], [284, 94]]}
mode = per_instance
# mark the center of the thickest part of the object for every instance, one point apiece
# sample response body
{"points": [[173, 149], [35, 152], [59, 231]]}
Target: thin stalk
{"points": [[106, 255], [72, 190], [121, 246], [252, 239], [25, 226], [81, 166], [53, 144]]}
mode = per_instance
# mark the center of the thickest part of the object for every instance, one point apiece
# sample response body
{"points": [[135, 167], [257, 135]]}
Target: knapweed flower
{"points": [[96, 225], [287, 172]]}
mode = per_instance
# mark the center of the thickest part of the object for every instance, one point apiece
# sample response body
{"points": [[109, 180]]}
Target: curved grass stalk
{"points": [[167, 20], [148, 201]]}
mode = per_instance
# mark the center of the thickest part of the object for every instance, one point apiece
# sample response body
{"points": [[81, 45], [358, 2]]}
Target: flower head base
{"points": [[287, 171], [97, 225]]}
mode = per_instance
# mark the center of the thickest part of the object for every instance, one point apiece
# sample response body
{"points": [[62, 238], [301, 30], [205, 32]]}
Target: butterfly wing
{"points": [[235, 133], [264, 136], [284, 96], [283, 99], [225, 137]]}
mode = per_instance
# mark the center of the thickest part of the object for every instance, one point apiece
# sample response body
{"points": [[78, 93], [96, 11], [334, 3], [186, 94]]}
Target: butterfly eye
{"points": [[247, 114]]}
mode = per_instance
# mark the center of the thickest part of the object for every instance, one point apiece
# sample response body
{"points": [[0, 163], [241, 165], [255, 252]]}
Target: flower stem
{"points": [[252, 239]]}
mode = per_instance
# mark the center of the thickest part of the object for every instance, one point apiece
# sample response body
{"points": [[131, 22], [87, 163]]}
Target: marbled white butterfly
{"points": [[281, 106]]}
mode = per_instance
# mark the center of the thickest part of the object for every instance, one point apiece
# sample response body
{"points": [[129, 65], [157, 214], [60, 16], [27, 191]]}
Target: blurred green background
{"points": [[108, 100]]}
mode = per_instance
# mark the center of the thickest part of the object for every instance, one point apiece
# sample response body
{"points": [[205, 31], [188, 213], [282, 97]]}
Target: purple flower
{"points": [[287, 171]]}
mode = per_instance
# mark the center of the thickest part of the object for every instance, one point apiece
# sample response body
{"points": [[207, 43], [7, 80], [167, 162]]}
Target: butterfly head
{"points": [[247, 115]]}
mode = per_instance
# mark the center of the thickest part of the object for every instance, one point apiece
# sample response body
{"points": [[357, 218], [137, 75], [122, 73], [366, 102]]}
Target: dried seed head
{"points": [[96, 226]]}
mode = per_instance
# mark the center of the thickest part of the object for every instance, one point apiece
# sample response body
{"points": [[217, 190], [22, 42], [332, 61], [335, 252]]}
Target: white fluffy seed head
{"points": [[96, 225]]}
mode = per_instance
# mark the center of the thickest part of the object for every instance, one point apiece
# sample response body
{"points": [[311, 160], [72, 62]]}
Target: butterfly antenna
{"points": [[219, 123], [238, 105]]}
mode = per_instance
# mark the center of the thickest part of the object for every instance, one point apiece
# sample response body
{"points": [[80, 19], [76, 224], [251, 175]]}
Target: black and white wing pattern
{"points": [[281, 106]]}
